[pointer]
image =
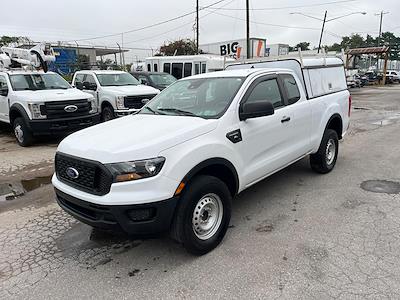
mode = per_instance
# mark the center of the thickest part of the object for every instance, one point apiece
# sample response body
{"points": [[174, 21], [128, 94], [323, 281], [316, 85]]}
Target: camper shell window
{"points": [[177, 69], [187, 70], [167, 68]]}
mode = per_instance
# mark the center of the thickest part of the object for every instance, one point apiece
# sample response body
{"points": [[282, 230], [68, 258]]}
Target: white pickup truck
{"points": [[204, 139], [36, 102], [118, 93]]}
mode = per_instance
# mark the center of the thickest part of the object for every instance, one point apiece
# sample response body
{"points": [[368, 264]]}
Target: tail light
{"points": [[349, 113]]}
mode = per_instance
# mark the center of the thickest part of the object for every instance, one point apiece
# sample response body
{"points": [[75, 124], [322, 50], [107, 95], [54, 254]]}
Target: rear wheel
{"points": [[22, 132], [107, 114], [325, 159], [203, 215]]}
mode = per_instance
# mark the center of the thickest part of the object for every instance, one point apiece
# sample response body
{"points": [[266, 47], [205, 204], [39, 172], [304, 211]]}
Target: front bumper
{"points": [[62, 126], [136, 220]]}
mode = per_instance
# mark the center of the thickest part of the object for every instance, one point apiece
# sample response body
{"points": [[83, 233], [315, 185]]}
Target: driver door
{"points": [[264, 138], [4, 109]]}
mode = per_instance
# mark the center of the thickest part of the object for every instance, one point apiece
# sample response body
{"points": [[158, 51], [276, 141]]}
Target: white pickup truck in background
{"points": [[208, 137], [118, 93]]}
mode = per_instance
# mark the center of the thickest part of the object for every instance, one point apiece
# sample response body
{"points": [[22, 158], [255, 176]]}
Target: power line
{"points": [[267, 24], [152, 25], [290, 7]]}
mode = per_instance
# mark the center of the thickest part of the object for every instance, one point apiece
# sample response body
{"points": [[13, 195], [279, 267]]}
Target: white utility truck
{"points": [[117, 93], [36, 102], [181, 66], [204, 139]]}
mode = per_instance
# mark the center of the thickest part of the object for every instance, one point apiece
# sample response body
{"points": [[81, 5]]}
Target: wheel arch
{"points": [[335, 122], [218, 167], [16, 111]]}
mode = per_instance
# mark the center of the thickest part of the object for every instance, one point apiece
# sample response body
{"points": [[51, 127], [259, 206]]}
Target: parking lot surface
{"points": [[295, 235]]}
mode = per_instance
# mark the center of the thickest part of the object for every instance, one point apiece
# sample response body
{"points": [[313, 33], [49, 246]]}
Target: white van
{"points": [[186, 65]]}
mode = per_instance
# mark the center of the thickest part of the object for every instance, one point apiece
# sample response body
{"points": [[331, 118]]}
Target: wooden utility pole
{"points": [[248, 28], [197, 26], [380, 26]]}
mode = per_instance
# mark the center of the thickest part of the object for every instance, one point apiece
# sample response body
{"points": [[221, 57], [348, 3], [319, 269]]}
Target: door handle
{"points": [[285, 119]]}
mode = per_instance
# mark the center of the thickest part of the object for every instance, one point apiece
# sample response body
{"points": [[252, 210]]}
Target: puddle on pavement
{"points": [[10, 191], [388, 120], [381, 186]]}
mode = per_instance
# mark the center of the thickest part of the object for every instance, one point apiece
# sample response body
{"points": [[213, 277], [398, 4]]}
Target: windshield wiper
{"points": [[179, 111], [153, 111]]}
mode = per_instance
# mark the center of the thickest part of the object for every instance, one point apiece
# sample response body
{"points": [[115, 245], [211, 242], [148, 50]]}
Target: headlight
{"points": [[93, 105], [134, 170], [120, 102], [38, 110]]}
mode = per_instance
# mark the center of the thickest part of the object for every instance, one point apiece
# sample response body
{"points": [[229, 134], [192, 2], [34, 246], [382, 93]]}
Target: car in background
{"points": [[158, 80], [117, 93], [394, 74], [353, 82], [363, 79]]}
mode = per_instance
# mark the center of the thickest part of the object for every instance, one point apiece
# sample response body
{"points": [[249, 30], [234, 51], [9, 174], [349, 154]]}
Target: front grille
{"points": [[56, 109], [93, 177], [135, 102]]}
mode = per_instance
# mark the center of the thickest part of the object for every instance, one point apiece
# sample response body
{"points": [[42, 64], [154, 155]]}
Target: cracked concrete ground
{"points": [[296, 235]]}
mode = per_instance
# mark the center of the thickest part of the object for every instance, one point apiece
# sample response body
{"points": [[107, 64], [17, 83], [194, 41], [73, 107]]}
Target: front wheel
{"points": [[22, 132], [325, 159], [203, 215], [107, 114]]}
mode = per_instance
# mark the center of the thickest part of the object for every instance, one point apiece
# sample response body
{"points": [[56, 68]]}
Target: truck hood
{"points": [[131, 90], [134, 137], [53, 95]]}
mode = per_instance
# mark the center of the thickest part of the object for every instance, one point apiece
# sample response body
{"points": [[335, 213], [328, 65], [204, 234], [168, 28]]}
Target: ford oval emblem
{"points": [[144, 101], [72, 173], [71, 108]]}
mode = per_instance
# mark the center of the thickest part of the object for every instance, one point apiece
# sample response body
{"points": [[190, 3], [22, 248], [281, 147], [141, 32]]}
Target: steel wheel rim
{"points": [[207, 216], [19, 134], [330, 151]]}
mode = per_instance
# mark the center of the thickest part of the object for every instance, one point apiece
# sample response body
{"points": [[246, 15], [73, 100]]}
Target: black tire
{"points": [[183, 229], [22, 133], [323, 161], [107, 114]]}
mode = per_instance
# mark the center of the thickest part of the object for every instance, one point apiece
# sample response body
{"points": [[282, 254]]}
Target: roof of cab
{"points": [[100, 72]]}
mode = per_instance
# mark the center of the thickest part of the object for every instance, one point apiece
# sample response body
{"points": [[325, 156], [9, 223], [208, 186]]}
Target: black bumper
{"points": [[62, 126], [140, 220]]}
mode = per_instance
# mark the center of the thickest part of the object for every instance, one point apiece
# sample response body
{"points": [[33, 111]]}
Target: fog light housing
{"points": [[142, 214]]}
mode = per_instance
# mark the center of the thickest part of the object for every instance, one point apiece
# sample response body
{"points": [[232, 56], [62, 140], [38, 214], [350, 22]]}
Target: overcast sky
{"points": [[77, 20]]}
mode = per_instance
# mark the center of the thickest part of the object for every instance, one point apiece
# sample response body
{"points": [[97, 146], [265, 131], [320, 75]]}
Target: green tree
{"points": [[7, 40], [82, 62], [179, 47]]}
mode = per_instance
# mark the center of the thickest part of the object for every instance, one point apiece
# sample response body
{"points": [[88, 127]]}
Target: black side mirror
{"points": [[256, 110], [4, 92], [89, 86], [79, 85]]}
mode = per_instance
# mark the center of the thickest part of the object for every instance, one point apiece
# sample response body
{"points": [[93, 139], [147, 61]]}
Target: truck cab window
{"points": [[79, 81], [267, 90], [167, 68], [292, 90], [187, 70], [177, 69], [3, 83]]}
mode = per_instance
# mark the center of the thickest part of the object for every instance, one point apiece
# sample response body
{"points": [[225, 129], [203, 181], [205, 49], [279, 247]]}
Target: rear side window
{"points": [[177, 69], [187, 70], [267, 90], [292, 89], [167, 68]]}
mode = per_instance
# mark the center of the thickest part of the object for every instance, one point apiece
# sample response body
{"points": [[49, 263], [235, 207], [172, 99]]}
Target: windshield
{"points": [[205, 97], [118, 79], [163, 79], [34, 82]]}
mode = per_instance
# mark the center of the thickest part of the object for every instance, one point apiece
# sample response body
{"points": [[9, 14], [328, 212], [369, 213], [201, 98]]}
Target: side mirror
{"points": [[4, 92], [256, 110], [143, 81], [79, 85], [89, 86]]}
